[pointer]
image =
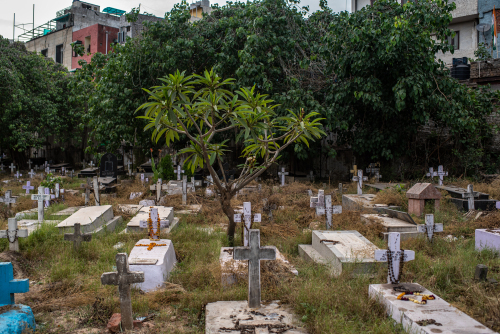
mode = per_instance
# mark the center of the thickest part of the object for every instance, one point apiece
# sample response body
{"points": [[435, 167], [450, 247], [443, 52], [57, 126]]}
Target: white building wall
{"points": [[468, 42]]}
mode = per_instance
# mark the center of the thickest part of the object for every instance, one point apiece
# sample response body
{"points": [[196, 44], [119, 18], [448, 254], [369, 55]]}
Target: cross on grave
{"points": [[340, 188], [311, 176], [36, 167], [83, 164], [46, 164], [360, 178], [269, 208], [40, 197], [96, 191], [431, 173], [395, 257], [184, 189], [158, 190], [77, 237], [318, 202], [123, 278], [129, 163], [8, 199], [430, 227], [9, 286], [63, 171], [72, 173], [325, 204], [441, 173], [179, 172], [354, 170], [47, 169], [12, 234], [154, 224], [17, 175], [470, 194], [91, 164], [29, 163], [28, 187], [31, 174], [12, 167], [87, 188], [209, 182], [2, 167], [193, 188], [57, 190], [247, 217], [282, 174], [142, 179], [47, 192], [254, 254]]}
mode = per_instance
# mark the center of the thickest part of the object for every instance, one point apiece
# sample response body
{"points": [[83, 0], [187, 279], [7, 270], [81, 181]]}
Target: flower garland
{"points": [[425, 298], [151, 245]]}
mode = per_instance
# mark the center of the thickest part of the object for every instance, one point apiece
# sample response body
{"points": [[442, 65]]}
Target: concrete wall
{"points": [[465, 8], [50, 41], [83, 18], [97, 34], [136, 28], [468, 42]]}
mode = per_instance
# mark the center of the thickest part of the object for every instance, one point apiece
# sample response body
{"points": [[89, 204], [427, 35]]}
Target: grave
{"points": [[359, 179], [193, 209], [68, 211], [482, 201], [430, 227], [12, 234], [323, 205], [341, 250], [394, 221], [14, 318], [383, 186], [165, 213], [146, 167], [60, 166], [93, 219], [487, 238], [32, 225], [355, 202], [108, 166], [156, 261], [77, 237], [88, 172], [418, 194], [247, 217], [129, 209]]}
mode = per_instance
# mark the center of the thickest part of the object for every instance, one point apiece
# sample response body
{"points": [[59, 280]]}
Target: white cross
{"points": [[40, 198], [12, 167], [247, 216], [282, 174], [47, 199], [394, 253], [378, 176], [142, 179], [431, 173], [47, 169], [318, 202], [91, 164], [7, 199], [129, 163], [470, 194], [57, 190], [31, 174], [96, 191], [430, 227], [2, 167], [323, 204], [12, 234], [17, 175], [360, 178], [158, 190], [156, 223], [29, 163], [28, 187], [192, 184], [179, 171], [441, 173], [184, 189]]}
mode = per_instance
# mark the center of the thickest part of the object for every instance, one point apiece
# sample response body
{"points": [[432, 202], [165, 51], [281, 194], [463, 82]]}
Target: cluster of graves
{"points": [[151, 260]]}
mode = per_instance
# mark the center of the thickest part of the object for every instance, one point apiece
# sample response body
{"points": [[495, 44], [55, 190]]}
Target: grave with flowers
{"points": [[165, 213]]}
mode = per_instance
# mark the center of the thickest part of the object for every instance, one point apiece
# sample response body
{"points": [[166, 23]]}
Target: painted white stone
{"points": [[32, 225], [92, 219], [165, 213], [68, 211], [487, 239], [147, 202], [452, 320], [156, 263]]}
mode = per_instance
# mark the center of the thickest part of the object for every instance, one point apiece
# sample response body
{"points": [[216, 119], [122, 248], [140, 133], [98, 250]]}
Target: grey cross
{"points": [[2, 167], [283, 174], [431, 173], [77, 237], [158, 190], [28, 187], [179, 172], [360, 178], [12, 167], [8, 199], [441, 173], [40, 198], [430, 227], [31, 174], [12, 234], [470, 194], [29, 163], [184, 189], [96, 191]]}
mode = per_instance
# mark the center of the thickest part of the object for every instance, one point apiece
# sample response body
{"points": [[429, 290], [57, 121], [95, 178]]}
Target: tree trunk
{"points": [[225, 202]]}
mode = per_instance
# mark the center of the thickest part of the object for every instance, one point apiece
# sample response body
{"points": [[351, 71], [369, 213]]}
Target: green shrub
{"points": [[165, 169]]}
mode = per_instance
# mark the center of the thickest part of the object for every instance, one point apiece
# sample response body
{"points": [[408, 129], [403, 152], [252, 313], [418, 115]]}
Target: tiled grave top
{"points": [[423, 191], [458, 192], [346, 245]]}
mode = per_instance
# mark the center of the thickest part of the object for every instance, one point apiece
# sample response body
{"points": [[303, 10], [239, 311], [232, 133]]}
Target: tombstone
{"points": [[41, 197], [418, 194], [8, 199], [254, 254], [129, 166], [340, 188], [393, 221], [179, 172], [318, 203], [441, 173], [77, 237], [154, 224], [470, 197], [31, 174], [165, 214], [14, 318], [92, 219], [193, 183], [12, 234], [311, 176], [395, 257], [28, 187], [487, 239], [184, 189], [91, 164], [430, 228], [63, 171], [18, 175], [123, 278], [12, 167], [96, 191], [283, 174], [360, 178], [36, 167], [247, 217], [109, 166], [72, 173]]}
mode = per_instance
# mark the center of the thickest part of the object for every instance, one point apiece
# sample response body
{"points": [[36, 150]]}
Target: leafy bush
{"points": [[167, 168], [50, 181]]}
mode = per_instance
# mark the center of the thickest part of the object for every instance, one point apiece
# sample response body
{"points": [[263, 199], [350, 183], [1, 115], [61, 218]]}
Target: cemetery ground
{"points": [[67, 296]]}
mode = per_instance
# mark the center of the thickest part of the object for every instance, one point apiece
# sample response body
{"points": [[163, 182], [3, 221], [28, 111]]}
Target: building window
{"points": [[87, 44], [455, 41], [59, 53], [44, 52], [128, 29]]}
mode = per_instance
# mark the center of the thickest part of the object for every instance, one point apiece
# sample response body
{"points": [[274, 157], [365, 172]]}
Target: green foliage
{"points": [[50, 181], [482, 53], [167, 168]]}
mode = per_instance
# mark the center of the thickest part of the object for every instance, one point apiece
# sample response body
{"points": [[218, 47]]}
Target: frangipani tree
{"points": [[205, 108]]}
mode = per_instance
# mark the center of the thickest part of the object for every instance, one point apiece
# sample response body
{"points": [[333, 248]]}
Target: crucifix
{"points": [[12, 234], [395, 257], [318, 202], [247, 217], [87, 187], [282, 174], [430, 227], [311, 176], [77, 237], [96, 191], [12, 167], [254, 254], [29, 163], [8, 199], [123, 278], [470, 194], [184, 189], [158, 190], [28, 187], [360, 178], [441, 173], [17, 175], [40, 197], [31, 174], [10, 286], [179, 172], [47, 192], [431, 173], [154, 224], [57, 190]]}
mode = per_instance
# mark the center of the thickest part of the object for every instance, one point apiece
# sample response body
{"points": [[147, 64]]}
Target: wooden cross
{"points": [[282, 174], [40, 198], [28, 187], [179, 172], [8, 199], [470, 194], [431, 173], [123, 278], [430, 227], [31, 174], [12, 234], [360, 178], [247, 217], [29, 163], [184, 189], [96, 191], [393, 257], [9, 286], [158, 190], [77, 237], [254, 254], [441, 173], [154, 224], [12, 167]]}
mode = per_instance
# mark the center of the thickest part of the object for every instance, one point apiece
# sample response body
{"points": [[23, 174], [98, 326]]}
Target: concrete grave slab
{"points": [[341, 250], [487, 238], [147, 202], [164, 213], [156, 263], [393, 224], [448, 318], [129, 209], [189, 210], [93, 219], [355, 202], [68, 211], [26, 213], [32, 224], [383, 186]]}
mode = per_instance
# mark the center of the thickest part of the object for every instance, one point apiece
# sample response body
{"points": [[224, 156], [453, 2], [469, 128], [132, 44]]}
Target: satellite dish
{"points": [[482, 27]]}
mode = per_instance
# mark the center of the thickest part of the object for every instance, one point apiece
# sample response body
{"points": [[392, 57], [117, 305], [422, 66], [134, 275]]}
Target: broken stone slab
{"points": [[341, 250], [92, 219], [71, 192], [487, 238], [437, 316], [68, 211], [164, 213], [156, 263], [393, 224], [234, 270], [189, 210], [235, 317], [129, 209], [135, 195], [354, 202]]}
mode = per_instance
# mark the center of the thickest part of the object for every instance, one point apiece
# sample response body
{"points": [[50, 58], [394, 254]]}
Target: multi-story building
{"points": [[199, 8]]}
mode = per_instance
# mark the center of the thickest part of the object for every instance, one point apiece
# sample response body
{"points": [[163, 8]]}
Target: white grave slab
{"points": [[451, 320], [147, 202], [156, 263], [165, 213], [93, 219], [68, 211], [360, 202], [392, 224], [129, 209], [487, 238], [193, 209], [32, 225]]}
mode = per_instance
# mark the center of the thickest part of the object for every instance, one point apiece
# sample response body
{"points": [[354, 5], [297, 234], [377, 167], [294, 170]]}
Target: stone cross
{"points": [[2, 167], [72, 173], [77, 237], [311, 176], [57, 190], [87, 187], [96, 191], [209, 181], [63, 171], [470, 194], [247, 217], [123, 278], [9, 286], [431, 173], [28, 187], [282, 174], [318, 202], [12, 234], [193, 188], [47, 192], [91, 163], [36, 167], [441, 173], [430, 227], [8, 199], [331, 210], [254, 254], [31, 174], [46, 164], [360, 178], [184, 189], [179, 172], [158, 190], [156, 224], [12, 167], [129, 163], [83, 164], [47, 169], [393, 256], [269, 208], [40, 198], [29, 163], [17, 175]]}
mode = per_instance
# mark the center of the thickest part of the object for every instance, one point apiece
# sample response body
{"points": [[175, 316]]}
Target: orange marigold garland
{"points": [[425, 298]]}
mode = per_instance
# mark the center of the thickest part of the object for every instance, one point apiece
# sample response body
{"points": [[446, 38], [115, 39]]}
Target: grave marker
{"points": [[254, 254], [318, 202], [441, 173], [158, 191], [311, 176], [184, 189], [9, 286], [77, 237], [154, 224], [269, 208], [28, 187], [31, 174], [247, 217], [109, 165], [395, 257], [354, 170], [1, 167], [40, 198], [91, 164], [340, 188], [87, 188], [63, 171], [17, 175], [430, 227], [29, 163], [12, 167], [12, 234], [129, 163], [282, 174], [123, 278], [179, 172], [96, 191], [8, 199], [47, 192], [470, 196], [360, 178], [36, 167], [57, 190], [142, 179]]}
